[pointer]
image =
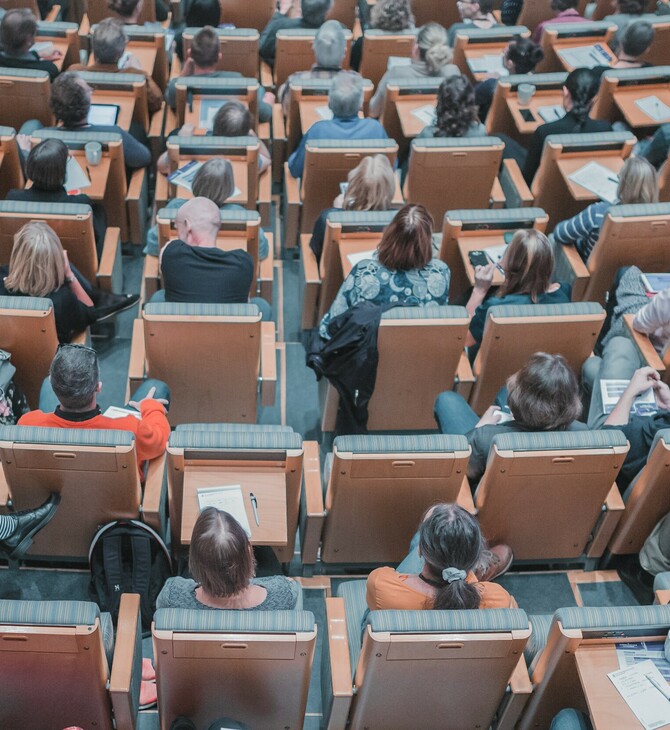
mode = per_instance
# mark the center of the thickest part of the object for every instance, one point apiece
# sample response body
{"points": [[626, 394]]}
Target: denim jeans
{"points": [[454, 416], [49, 401]]}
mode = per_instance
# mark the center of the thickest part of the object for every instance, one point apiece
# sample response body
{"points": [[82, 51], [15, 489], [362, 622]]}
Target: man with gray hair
{"points": [[108, 44], [313, 14], [329, 47], [344, 101]]}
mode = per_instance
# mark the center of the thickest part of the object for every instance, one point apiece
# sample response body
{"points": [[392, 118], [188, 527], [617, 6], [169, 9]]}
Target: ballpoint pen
{"points": [[664, 691], [254, 507]]}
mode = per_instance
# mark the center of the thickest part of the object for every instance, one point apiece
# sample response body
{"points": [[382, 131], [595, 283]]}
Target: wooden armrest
{"points": [[110, 272], [398, 199], [662, 597], [52, 15], [151, 277], [340, 669], [171, 121], [293, 203], [85, 28], [268, 364], [516, 191], [465, 497], [265, 198], [497, 195], [613, 510], [136, 200], [311, 283], [136, 366], [311, 523], [153, 489], [643, 343], [266, 271], [278, 122], [465, 378], [577, 274], [267, 79], [157, 120], [514, 703], [279, 142], [162, 194], [264, 131], [127, 643]]}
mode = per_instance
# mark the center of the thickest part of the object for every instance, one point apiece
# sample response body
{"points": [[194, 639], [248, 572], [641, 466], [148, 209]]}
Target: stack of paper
{"points": [[425, 114], [184, 176], [612, 390], [598, 179], [228, 499], [653, 107], [75, 177], [645, 692], [585, 56]]}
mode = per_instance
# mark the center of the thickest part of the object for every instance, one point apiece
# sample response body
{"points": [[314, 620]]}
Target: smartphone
{"points": [[478, 258], [527, 115]]}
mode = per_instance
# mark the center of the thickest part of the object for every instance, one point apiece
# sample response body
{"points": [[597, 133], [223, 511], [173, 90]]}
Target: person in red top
{"points": [[68, 400]]}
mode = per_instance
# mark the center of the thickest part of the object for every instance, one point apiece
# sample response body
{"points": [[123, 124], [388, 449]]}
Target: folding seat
{"points": [[243, 14], [379, 46], [266, 460], [64, 36], [96, 474], [621, 88], [435, 11], [551, 496], [127, 91], [532, 14], [427, 669], [11, 173], [97, 10], [253, 666], [173, 342], [239, 47], [403, 98], [476, 43], [406, 385], [60, 663], [345, 12], [375, 490], [193, 91], [29, 91], [563, 37]]}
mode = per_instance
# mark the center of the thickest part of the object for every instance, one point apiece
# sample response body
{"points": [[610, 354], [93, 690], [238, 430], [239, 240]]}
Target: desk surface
{"points": [[97, 174], [145, 53], [60, 44], [355, 248], [626, 97], [412, 125], [269, 488], [568, 165], [553, 97], [479, 243]]}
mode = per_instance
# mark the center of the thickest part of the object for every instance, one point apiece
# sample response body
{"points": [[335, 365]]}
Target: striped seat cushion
{"points": [[420, 443], [538, 639], [550, 440], [451, 142], [429, 311], [639, 210], [619, 617], [495, 619], [175, 309], [35, 304], [356, 610], [235, 427], [269, 440], [572, 309], [55, 436], [27, 206], [257, 622], [495, 215]]}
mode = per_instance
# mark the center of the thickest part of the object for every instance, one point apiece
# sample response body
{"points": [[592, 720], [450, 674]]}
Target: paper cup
{"points": [[525, 93]]}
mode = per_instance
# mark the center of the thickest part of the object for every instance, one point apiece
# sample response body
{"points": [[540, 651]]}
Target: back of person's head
{"points": [[346, 94], [407, 242], [74, 376], [451, 543], [456, 109], [391, 15], [46, 165], [582, 85], [200, 13], [485, 6], [17, 31], [36, 265], [199, 217], [205, 48], [232, 120], [631, 7], [70, 99], [220, 557], [433, 47], [544, 394], [314, 11], [330, 45], [528, 264], [638, 182], [524, 54], [370, 185], [636, 38], [560, 5], [109, 41], [123, 8], [215, 181]]}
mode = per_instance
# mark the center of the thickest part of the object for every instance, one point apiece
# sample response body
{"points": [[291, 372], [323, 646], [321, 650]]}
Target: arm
{"points": [[296, 162], [654, 315], [642, 379], [483, 280], [264, 109], [135, 155], [578, 228], [347, 296], [154, 96], [377, 102], [268, 41], [75, 286], [154, 430]]}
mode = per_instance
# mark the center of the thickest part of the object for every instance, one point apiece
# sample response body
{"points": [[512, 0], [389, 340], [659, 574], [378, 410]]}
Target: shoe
{"points": [[109, 304], [494, 562], [148, 695], [30, 522], [148, 671], [639, 582]]}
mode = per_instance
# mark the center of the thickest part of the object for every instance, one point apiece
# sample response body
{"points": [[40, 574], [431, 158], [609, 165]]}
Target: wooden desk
{"points": [[98, 174], [411, 126], [554, 97], [607, 707], [268, 486], [566, 43], [239, 176], [466, 244], [568, 165], [626, 97], [353, 247], [482, 49], [60, 44], [145, 54], [193, 116]]}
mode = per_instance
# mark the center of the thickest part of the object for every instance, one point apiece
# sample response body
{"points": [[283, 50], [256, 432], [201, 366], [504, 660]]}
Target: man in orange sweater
{"points": [[68, 400]]}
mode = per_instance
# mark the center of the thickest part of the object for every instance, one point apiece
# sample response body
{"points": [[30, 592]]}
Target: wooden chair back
{"points": [[11, 172], [61, 34], [193, 91], [29, 91], [239, 49], [124, 90], [605, 107], [397, 93], [295, 53], [565, 36], [379, 46], [242, 14], [532, 14], [484, 41]]}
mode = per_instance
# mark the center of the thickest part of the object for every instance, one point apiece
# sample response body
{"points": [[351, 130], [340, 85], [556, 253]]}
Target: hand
{"points": [[68, 268], [49, 54], [285, 6], [491, 416], [163, 164], [662, 395], [187, 130], [188, 68], [132, 61], [484, 276], [642, 380], [148, 396], [23, 141], [339, 201], [269, 97]]}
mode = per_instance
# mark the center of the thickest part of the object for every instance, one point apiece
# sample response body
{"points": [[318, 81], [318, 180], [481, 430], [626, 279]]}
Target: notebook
{"points": [[228, 499]]}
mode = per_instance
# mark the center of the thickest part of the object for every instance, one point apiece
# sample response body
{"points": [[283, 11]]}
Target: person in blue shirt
{"points": [[344, 100]]}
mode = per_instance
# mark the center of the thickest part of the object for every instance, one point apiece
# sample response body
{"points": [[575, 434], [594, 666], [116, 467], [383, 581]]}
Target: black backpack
{"points": [[127, 556]]}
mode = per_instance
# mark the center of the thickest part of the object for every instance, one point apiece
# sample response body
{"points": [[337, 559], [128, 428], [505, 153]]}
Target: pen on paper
{"points": [[663, 691], [88, 173], [254, 507], [613, 179]]}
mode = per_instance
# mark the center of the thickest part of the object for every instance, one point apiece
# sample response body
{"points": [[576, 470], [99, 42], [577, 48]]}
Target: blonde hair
{"points": [[433, 47], [638, 182], [36, 266], [528, 264], [371, 185]]}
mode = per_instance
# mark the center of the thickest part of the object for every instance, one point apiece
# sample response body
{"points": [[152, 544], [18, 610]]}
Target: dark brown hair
{"points": [[407, 242], [205, 47], [220, 559], [70, 101], [528, 264], [232, 120], [47, 164], [17, 30]]}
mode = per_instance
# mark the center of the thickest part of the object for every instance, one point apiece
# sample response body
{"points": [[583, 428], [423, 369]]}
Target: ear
{"points": [[98, 387], [220, 56]]}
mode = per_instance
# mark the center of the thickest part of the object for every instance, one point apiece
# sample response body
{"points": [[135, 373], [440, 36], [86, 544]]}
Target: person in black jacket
{"points": [[313, 16], [17, 34]]}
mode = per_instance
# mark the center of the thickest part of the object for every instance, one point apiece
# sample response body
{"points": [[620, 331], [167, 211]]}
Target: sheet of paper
{"points": [[633, 652], [645, 692], [169, 38], [354, 258], [42, 46], [489, 63], [184, 175], [236, 193], [75, 177], [324, 112], [228, 499], [496, 253], [551, 113], [208, 110], [116, 412], [599, 179], [395, 61], [612, 390], [653, 107], [656, 282], [425, 114], [586, 56]]}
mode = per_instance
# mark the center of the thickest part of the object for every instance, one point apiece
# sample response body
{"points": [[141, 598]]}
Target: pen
{"points": [[663, 691], [254, 507], [613, 179], [88, 172]]}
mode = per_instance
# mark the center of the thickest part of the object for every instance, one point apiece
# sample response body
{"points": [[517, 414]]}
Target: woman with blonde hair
{"points": [[431, 56], [638, 183], [39, 267], [370, 186]]}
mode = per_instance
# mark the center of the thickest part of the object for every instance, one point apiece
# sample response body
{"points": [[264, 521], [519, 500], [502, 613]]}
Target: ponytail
{"points": [[455, 593], [434, 50], [582, 85]]}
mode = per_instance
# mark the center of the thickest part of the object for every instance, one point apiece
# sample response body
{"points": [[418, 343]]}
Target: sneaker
{"points": [[494, 562], [112, 304], [148, 695], [148, 671]]}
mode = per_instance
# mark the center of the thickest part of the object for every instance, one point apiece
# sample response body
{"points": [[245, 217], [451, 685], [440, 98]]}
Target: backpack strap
{"points": [[141, 548], [112, 561]]}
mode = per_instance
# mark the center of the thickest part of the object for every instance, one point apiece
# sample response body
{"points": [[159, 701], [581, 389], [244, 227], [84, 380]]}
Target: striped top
{"points": [[582, 230]]}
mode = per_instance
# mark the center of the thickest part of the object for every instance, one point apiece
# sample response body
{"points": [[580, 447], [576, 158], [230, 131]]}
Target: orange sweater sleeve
{"points": [[153, 431]]}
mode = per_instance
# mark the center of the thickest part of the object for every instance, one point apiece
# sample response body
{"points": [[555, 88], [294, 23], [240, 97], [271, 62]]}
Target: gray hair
{"points": [[74, 376], [330, 45], [314, 11], [109, 41], [346, 94]]}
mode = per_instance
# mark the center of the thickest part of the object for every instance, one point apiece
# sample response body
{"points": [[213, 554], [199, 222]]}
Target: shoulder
{"points": [[492, 595], [178, 593], [282, 593]]}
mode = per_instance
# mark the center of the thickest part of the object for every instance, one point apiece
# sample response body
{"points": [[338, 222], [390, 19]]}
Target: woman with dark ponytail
{"points": [[448, 568]]}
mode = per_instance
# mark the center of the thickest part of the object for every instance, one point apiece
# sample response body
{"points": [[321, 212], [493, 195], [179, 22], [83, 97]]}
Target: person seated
{"points": [[17, 34], [625, 12], [638, 183], [214, 181], [196, 14], [108, 44], [221, 561], [455, 111], [510, 11], [654, 320], [542, 396], [402, 272], [431, 56], [46, 168], [329, 49], [17, 529], [446, 568], [656, 149], [370, 186], [566, 12], [635, 39], [68, 399], [130, 11], [195, 270], [474, 14], [528, 264], [520, 57], [345, 101], [313, 15], [202, 59], [392, 16]]}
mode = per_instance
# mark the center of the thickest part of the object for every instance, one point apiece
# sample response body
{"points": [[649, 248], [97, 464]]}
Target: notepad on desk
{"points": [[586, 56], [654, 108], [488, 63], [208, 110], [645, 692], [75, 177], [228, 499], [425, 114], [184, 175], [551, 113], [355, 258], [599, 179]]}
